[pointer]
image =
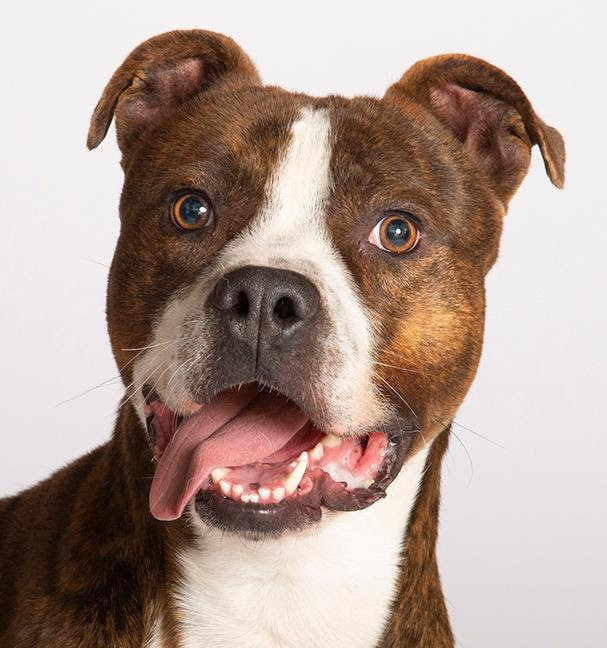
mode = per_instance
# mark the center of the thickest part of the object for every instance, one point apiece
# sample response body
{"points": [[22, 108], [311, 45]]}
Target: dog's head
{"points": [[296, 301]]}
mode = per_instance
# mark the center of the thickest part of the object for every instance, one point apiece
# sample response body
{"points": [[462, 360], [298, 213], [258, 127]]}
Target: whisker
{"points": [[383, 364], [404, 401], [170, 390], [145, 380], [113, 378], [131, 385], [467, 454], [400, 357], [99, 263], [397, 394], [109, 381], [150, 346], [478, 434]]}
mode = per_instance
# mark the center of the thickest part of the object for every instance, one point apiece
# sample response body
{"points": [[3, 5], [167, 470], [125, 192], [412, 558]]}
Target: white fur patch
{"points": [[329, 586]]}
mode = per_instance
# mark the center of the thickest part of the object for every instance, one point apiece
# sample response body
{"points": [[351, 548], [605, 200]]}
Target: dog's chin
{"points": [[306, 474]]}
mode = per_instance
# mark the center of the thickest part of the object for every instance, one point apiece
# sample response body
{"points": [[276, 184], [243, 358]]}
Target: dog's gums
{"points": [[258, 451]]}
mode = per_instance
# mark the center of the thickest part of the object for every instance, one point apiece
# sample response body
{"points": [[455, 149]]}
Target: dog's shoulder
{"points": [[64, 551]]}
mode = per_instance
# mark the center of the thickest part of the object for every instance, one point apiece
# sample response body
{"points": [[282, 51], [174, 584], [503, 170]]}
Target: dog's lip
{"points": [[292, 511]]}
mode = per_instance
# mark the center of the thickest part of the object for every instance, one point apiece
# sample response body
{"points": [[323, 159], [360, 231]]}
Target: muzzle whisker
{"points": [[134, 389]]}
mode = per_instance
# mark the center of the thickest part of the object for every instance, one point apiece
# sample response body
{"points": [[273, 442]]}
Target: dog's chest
{"points": [[330, 586]]}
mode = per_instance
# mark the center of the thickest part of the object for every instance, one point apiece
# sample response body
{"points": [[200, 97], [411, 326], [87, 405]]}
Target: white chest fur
{"points": [[331, 586]]}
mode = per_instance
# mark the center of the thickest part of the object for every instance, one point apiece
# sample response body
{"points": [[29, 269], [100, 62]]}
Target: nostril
{"points": [[230, 299], [241, 306], [284, 310]]}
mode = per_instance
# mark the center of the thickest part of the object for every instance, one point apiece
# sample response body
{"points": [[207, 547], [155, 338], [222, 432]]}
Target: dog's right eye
{"points": [[192, 212]]}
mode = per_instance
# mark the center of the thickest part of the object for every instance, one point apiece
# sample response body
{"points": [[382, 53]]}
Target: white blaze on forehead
{"points": [[301, 183], [291, 230]]}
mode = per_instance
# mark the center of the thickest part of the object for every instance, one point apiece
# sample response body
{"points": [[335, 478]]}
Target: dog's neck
{"points": [[226, 590]]}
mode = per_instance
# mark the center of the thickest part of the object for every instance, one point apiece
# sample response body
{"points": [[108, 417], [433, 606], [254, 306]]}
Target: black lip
{"points": [[149, 394]]}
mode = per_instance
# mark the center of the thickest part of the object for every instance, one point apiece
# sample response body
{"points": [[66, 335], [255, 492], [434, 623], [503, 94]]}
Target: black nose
{"points": [[266, 306]]}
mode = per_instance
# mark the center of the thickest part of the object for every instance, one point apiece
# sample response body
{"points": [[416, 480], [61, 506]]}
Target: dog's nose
{"points": [[266, 306]]}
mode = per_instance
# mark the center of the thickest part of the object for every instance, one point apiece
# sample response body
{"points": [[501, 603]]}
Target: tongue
{"points": [[237, 428]]}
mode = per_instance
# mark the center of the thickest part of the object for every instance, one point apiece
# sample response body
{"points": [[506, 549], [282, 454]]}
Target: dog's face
{"points": [[296, 301]]}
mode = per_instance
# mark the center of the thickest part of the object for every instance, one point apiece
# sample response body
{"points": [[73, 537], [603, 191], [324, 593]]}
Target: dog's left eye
{"points": [[395, 233], [192, 212]]}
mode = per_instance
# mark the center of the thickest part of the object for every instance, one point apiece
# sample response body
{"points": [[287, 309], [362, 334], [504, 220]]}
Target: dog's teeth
{"points": [[366, 482], [225, 486], [245, 498], [317, 452], [217, 474], [264, 493], [331, 441], [278, 493], [292, 481], [237, 490], [254, 498]]}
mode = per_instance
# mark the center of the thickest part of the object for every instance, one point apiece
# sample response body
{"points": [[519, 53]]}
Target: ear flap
{"points": [[488, 112], [161, 74]]}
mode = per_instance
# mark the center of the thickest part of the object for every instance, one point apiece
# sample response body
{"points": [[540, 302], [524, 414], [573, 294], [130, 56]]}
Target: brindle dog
{"points": [[368, 226]]}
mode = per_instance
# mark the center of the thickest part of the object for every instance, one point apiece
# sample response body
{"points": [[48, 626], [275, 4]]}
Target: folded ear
{"points": [[488, 113], [161, 74]]}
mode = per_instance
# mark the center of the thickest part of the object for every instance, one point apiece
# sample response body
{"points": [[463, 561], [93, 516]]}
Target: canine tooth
{"points": [[331, 441], [292, 481], [254, 498], [278, 493], [317, 452], [245, 498], [366, 482], [264, 493], [225, 486], [218, 474], [237, 490]]}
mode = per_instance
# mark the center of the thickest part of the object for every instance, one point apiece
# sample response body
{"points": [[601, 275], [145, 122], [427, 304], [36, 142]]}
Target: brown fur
{"points": [[83, 562]]}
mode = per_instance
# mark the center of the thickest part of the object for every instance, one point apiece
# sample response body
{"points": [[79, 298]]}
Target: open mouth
{"points": [[253, 460]]}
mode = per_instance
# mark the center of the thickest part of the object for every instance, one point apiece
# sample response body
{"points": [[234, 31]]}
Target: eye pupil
{"points": [[192, 210], [398, 232]]}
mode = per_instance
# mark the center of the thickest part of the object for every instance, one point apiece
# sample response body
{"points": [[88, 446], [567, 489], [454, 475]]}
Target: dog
{"points": [[296, 305]]}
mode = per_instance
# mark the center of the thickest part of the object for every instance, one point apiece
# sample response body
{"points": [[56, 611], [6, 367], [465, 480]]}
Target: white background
{"points": [[522, 541]]}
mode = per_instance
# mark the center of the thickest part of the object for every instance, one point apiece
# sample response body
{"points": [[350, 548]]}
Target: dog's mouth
{"points": [[252, 460]]}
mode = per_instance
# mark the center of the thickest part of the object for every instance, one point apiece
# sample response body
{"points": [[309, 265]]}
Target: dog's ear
{"points": [[488, 113], [161, 74]]}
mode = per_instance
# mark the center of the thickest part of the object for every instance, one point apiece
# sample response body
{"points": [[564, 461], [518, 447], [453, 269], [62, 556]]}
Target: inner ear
{"points": [[157, 91], [489, 128]]}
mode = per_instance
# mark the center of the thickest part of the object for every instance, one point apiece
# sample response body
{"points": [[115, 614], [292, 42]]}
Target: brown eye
{"points": [[192, 212], [395, 233]]}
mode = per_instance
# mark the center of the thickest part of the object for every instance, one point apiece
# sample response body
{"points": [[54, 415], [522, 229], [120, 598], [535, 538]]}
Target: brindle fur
{"points": [[83, 563]]}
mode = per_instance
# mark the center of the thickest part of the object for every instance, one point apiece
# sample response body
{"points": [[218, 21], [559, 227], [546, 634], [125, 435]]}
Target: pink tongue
{"points": [[237, 428]]}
